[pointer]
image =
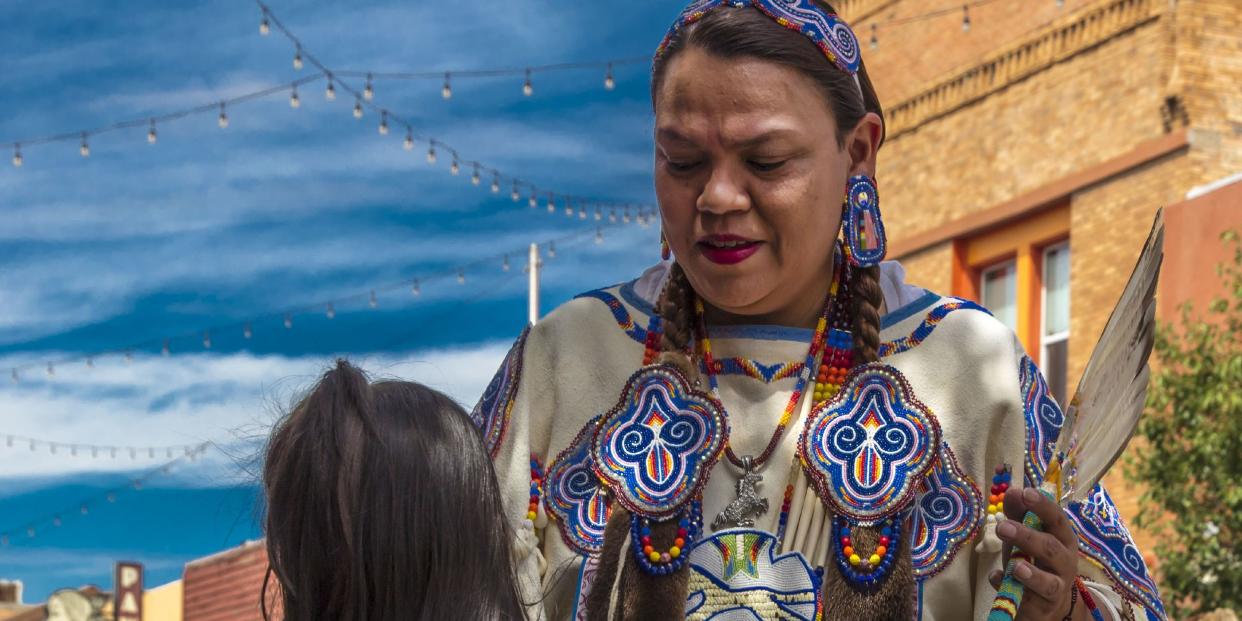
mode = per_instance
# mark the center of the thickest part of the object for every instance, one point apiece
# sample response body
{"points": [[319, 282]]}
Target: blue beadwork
{"points": [[690, 519], [867, 581], [863, 203]]}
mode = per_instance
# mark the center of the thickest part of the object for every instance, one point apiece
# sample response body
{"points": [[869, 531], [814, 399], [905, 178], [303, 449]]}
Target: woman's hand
{"points": [[1050, 582]]}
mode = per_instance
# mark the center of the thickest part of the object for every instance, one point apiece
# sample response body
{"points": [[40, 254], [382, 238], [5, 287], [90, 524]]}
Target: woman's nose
{"points": [[723, 192]]}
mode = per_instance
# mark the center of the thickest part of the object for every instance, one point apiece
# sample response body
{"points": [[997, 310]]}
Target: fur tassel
{"points": [[639, 596], [893, 601]]}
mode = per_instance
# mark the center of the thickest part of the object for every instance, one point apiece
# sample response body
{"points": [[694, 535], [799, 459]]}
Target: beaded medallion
{"points": [[947, 513], [656, 447], [574, 496], [866, 450]]}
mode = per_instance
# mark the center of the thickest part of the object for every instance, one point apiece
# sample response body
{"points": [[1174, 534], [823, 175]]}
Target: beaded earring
{"points": [[665, 253], [864, 231]]}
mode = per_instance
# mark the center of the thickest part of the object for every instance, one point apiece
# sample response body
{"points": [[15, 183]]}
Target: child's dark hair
{"points": [[382, 505]]}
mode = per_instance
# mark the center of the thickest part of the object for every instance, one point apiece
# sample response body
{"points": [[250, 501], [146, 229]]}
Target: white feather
{"points": [[1104, 412]]}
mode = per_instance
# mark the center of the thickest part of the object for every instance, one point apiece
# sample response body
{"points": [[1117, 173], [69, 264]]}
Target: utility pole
{"points": [[533, 268]]}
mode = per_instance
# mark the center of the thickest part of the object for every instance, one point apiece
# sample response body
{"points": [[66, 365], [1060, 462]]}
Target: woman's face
{"points": [[750, 180]]}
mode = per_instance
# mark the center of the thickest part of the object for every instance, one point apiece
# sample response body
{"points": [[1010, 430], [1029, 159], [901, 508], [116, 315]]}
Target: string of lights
{"points": [[83, 507], [963, 9], [95, 451], [573, 205], [371, 297]]}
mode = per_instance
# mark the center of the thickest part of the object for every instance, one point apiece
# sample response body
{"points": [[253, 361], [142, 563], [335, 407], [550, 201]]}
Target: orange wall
{"points": [[1192, 246]]}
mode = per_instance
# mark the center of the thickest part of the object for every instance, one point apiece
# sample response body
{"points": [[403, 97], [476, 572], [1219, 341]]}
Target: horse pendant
{"points": [[748, 505]]}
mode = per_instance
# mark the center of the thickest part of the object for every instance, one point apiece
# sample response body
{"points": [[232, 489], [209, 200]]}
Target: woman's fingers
{"points": [[1045, 584], [1046, 549], [1052, 515]]}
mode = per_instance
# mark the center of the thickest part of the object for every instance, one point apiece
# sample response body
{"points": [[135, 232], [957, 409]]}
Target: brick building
{"points": [[1027, 154], [226, 586]]}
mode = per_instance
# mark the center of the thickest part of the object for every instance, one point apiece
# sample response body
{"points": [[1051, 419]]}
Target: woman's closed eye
{"points": [[765, 166]]}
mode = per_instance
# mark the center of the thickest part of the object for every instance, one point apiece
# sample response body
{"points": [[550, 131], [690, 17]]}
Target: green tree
{"points": [[1190, 462]]}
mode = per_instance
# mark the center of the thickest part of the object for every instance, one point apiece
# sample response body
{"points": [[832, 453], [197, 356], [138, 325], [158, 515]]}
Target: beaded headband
{"points": [[826, 30]]}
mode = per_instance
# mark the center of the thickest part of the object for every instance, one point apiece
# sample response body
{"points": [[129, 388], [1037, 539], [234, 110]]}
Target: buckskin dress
{"points": [[991, 402]]}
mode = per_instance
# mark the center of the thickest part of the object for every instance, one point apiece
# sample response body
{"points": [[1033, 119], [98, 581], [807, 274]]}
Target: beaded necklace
{"points": [[748, 504]]}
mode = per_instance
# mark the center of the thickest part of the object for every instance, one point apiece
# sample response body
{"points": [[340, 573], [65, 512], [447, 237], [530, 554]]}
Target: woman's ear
{"points": [[863, 143]]}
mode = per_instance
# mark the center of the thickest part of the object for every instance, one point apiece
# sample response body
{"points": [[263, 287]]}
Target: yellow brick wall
{"points": [[1098, 106], [928, 268]]}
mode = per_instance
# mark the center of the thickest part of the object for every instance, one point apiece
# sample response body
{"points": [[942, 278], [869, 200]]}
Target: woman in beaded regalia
{"points": [[773, 424]]}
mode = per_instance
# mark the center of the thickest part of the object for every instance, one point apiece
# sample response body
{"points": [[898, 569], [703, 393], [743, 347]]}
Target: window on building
{"points": [[1054, 334], [1020, 272], [998, 288]]}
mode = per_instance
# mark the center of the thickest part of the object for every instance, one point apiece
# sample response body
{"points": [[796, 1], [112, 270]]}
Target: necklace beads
{"points": [[536, 480], [996, 499], [651, 560], [867, 571], [835, 365]]}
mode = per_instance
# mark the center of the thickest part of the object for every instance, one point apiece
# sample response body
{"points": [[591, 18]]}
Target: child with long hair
{"points": [[382, 505]]}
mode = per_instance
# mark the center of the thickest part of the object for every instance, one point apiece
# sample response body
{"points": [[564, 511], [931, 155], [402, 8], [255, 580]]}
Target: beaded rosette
{"points": [[868, 448], [655, 448], [574, 496]]}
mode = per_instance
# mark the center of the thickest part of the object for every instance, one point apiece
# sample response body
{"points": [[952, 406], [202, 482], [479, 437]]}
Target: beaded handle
{"points": [[1009, 595]]}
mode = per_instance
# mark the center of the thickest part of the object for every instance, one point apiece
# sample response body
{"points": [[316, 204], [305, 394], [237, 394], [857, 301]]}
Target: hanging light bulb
{"points": [[431, 153], [415, 290], [612, 216], [84, 148], [515, 195], [383, 126], [474, 178], [358, 109], [551, 250], [207, 340], [129, 357], [528, 89], [461, 277], [551, 203], [51, 370], [329, 93], [247, 333], [90, 362], [569, 208], [408, 145], [265, 28], [505, 265], [30, 532], [297, 59], [447, 91], [875, 39], [288, 321], [294, 102], [455, 168], [164, 350], [965, 18], [368, 92], [599, 214], [151, 136], [331, 312], [223, 119], [374, 301], [534, 202], [582, 214], [626, 217], [599, 235], [496, 184], [609, 82], [17, 155]]}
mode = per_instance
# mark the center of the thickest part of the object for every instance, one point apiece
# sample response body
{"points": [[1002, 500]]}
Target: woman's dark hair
{"points": [[382, 506], [730, 32]]}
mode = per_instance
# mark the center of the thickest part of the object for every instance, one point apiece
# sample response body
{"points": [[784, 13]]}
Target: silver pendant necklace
{"points": [[748, 505]]}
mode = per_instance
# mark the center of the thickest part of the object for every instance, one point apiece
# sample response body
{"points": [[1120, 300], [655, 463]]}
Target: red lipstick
{"points": [[727, 249]]}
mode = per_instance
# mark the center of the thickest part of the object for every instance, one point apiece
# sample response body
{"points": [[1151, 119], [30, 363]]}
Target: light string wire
{"points": [[194, 451], [81, 449], [370, 296], [498, 180], [82, 507]]}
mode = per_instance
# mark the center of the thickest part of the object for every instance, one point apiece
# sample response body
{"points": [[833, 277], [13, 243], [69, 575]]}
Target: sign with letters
{"points": [[128, 588]]}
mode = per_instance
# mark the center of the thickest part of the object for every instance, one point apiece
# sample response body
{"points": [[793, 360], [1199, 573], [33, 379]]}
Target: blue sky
{"points": [[282, 209]]}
